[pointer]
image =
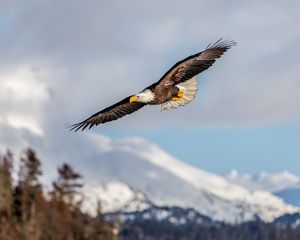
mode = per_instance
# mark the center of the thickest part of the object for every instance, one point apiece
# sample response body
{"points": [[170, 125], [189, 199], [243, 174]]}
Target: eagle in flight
{"points": [[177, 87]]}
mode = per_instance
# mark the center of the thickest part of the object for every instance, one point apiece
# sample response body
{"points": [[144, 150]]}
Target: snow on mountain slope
{"points": [[168, 181], [264, 181], [113, 196]]}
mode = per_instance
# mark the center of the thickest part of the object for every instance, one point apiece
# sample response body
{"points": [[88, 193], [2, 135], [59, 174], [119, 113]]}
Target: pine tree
{"points": [[6, 219], [6, 164], [28, 190], [28, 196], [67, 187]]}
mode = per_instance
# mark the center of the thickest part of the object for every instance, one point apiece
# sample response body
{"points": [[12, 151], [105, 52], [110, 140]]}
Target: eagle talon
{"points": [[178, 96]]}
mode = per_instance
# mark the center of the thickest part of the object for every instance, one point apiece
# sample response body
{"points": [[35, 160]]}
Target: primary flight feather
{"points": [[177, 87]]}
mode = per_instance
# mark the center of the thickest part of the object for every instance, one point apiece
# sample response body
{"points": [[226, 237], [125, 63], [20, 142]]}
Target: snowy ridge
{"points": [[113, 196], [264, 181], [292, 220], [229, 199], [172, 215]]}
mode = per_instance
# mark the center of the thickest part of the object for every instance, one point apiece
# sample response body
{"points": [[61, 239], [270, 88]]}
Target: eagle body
{"points": [[177, 87], [163, 94]]}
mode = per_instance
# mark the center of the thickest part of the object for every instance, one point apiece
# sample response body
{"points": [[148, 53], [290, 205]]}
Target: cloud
{"points": [[23, 94], [87, 55]]}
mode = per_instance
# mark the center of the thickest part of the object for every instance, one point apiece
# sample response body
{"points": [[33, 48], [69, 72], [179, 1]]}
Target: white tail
{"points": [[189, 89]]}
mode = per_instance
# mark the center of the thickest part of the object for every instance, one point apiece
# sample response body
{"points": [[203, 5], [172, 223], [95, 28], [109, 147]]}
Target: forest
{"points": [[28, 212]]}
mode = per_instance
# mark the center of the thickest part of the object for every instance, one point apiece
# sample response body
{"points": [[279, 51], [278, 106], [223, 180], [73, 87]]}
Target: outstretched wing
{"points": [[108, 114], [195, 64]]}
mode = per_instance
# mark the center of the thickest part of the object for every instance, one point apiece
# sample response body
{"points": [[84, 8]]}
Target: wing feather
{"points": [[118, 110], [197, 63]]}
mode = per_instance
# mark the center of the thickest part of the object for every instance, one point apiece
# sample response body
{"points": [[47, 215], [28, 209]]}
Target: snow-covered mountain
{"points": [[168, 181], [263, 181]]}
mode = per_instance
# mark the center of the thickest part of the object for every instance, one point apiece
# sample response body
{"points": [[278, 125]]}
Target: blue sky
{"points": [[64, 60], [250, 150]]}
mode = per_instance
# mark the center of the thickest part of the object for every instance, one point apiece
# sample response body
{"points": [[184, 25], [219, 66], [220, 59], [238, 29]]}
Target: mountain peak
{"points": [[167, 181]]}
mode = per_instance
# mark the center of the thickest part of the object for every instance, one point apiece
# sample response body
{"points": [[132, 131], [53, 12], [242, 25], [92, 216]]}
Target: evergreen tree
{"points": [[67, 187], [28, 196], [7, 224], [6, 164], [28, 191]]}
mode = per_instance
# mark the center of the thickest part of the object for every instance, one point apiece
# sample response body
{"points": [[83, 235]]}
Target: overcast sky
{"points": [[63, 60]]}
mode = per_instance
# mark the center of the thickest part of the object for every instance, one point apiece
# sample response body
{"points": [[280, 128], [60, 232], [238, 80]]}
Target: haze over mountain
{"points": [[283, 184]]}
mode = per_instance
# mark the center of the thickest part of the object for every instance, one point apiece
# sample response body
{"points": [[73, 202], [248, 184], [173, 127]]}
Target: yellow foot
{"points": [[178, 96]]}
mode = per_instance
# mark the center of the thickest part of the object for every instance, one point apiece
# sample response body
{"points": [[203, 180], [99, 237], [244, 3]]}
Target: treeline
{"points": [[255, 230], [27, 211]]}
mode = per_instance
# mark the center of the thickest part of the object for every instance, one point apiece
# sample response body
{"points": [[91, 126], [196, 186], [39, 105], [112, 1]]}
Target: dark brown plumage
{"points": [[166, 90], [118, 110], [191, 66]]}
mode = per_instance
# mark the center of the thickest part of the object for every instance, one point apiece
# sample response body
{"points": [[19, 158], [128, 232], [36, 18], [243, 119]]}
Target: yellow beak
{"points": [[133, 99]]}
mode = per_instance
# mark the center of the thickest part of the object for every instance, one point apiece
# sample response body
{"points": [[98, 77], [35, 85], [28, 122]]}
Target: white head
{"points": [[145, 96]]}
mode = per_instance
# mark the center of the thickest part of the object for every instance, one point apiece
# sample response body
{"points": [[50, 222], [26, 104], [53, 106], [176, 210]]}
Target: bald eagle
{"points": [[177, 87]]}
